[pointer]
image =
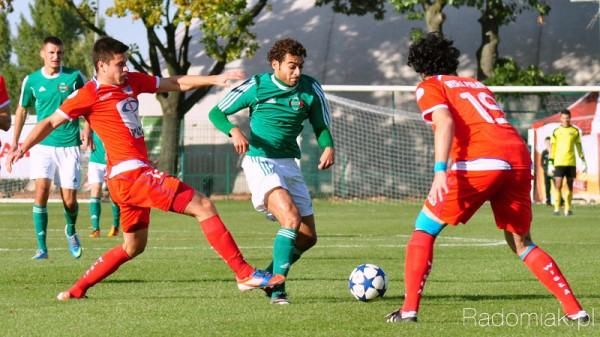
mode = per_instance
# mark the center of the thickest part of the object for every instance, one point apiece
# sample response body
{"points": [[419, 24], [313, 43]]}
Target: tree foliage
{"points": [[508, 72], [6, 5], [225, 26], [48, 19]]}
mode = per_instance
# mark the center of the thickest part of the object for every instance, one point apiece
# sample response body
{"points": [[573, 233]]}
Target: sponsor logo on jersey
{"points": [[63, 87], [42, 89], [128, 90], [128, 109], [296, 103], [271, 101]]}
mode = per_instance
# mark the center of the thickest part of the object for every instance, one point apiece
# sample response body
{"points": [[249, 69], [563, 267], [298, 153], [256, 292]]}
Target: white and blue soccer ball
{"points": [[367, 282]]}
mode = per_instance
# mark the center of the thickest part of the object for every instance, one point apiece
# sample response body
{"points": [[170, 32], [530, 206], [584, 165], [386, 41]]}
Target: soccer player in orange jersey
{"points": [[489, 162], [110, 106]]}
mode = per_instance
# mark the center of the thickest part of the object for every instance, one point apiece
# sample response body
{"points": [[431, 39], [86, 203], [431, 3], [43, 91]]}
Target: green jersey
{"points": [[277, 114], [46, 93], [98, 155]]}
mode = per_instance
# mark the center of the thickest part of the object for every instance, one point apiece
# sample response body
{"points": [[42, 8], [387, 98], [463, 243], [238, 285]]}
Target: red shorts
{"points": [[507, 190], [139, 190]]}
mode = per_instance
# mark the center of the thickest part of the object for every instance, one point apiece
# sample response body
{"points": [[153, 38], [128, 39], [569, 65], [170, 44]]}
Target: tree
{"points": [[494, 14], [431, 11], [225, 37], [48, 19], [6, 5]]}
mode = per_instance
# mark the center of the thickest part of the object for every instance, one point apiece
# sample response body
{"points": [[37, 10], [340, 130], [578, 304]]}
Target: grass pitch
{"points": [[179, 286]]}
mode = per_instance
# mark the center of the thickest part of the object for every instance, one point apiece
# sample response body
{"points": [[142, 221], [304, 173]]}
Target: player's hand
{"points": [[327, 158], [222, 80], [584, 167], [439, 188], [550, 170], [12, 158], [240, 142]]}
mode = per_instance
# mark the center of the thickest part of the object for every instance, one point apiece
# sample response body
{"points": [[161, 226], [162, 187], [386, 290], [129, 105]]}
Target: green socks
{"points": [[40, 223], [280, 289], [116, 212], [71, 219], [283, 254], [95, 210]]}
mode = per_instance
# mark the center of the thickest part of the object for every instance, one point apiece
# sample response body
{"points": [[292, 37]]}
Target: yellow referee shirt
{"points": [[564, 141]]}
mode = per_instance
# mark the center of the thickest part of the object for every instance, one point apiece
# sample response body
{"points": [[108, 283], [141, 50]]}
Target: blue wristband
{"points": [[440, 166]]}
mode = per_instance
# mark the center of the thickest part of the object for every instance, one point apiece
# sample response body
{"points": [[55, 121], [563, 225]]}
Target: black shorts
{"points": [[564, 171]]}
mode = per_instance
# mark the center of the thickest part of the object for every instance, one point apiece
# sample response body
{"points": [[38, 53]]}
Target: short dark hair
{"points": [[548, 138], [106, 48], [433, 55], [52, 39], [283, 47], [565, 112]]}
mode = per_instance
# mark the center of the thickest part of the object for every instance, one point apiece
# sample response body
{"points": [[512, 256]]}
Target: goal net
{"points": [[381, 153]]}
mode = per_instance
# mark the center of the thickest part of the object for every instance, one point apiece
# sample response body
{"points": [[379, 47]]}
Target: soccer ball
{"points": [[367, 282]]}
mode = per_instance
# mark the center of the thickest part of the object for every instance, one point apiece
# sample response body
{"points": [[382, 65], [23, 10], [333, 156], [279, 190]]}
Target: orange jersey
{"points": [[112, 112], [4, 101], [480, 129]]}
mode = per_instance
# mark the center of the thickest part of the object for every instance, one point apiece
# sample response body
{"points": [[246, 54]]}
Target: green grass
{"points": [[179, 287]]}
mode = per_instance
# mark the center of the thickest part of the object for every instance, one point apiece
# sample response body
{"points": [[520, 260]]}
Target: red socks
{"points": [[103, 267], [419, 255], [222, 242], [546, 270]]}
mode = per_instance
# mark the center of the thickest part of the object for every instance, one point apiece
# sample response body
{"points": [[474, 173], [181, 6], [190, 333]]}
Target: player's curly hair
{"points": [[433, 55], [285, 46]]}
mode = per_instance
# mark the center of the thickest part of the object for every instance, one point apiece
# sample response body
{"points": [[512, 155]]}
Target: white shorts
{"points": [[265, 174], [60, 164], [96, 173]]}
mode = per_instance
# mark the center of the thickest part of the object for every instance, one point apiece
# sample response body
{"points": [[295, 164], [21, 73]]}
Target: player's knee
{"points": [[200, 206], [428, 225], [135, 250], [310, 242], [290, 220]]}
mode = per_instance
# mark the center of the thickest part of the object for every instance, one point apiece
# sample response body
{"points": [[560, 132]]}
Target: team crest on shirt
{"points": [[128, 109], [296, 103], [63, 87]]}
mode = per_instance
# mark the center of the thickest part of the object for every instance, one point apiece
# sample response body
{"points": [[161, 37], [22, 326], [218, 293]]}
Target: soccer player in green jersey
{"points": [[96, 173], [565, 139], [279, 102], [56, 157]]}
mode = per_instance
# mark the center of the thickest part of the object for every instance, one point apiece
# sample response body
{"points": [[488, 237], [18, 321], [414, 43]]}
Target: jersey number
{"points": [[483, 99]]}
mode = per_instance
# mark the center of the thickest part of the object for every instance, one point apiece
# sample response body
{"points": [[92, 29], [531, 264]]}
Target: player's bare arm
{"points": [[189, 82], [20, 115], [86, 138], [239, 140], [327, 158], [37, 134], [444, 131]]}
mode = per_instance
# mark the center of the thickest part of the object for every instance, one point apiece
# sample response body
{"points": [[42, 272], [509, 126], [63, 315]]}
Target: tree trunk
{"points": [[434, 16], [487, 54], [169, 143]]}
